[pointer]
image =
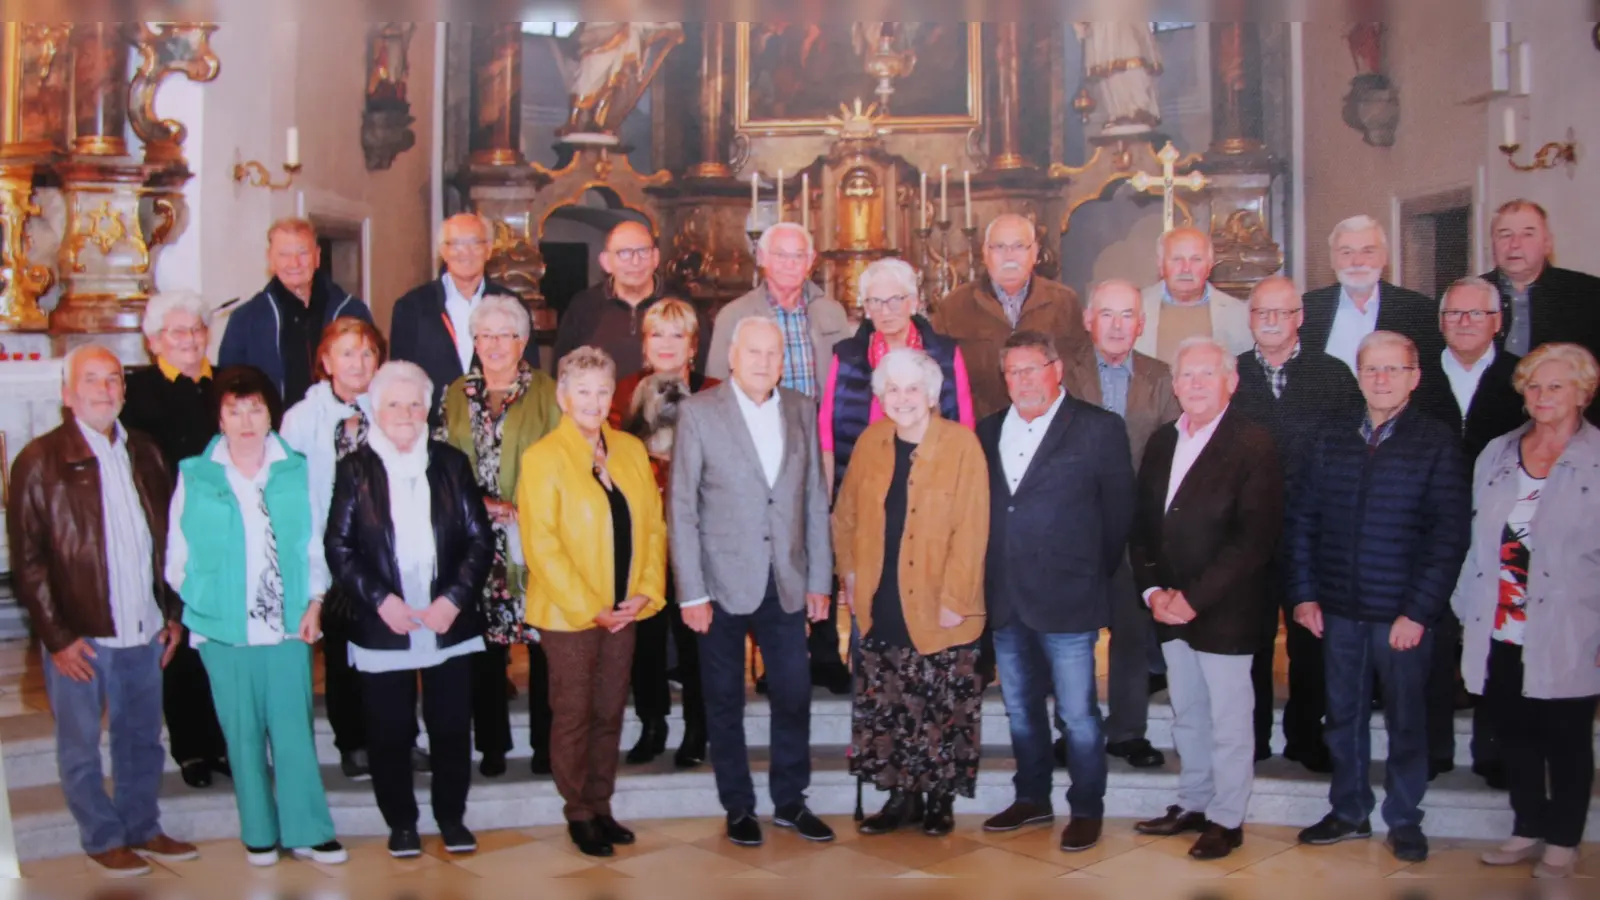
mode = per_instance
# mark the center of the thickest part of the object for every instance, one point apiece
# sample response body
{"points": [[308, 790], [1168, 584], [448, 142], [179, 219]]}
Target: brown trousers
{"points": [[589, 673]]}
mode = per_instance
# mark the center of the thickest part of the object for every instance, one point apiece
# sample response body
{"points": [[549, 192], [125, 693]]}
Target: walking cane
{"points": [[855, 669]]}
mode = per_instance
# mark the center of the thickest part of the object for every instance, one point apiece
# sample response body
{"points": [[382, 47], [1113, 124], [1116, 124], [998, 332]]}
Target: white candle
{"points": [[292, 154], [1510, 128], [805, 200], [780, 195], [755, 194], [1525, 68], [944, 193], [966, 193], [922, 203]]}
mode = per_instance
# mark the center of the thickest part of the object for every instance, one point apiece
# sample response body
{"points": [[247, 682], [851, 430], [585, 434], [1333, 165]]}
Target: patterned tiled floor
{"points": [[692, 849]]}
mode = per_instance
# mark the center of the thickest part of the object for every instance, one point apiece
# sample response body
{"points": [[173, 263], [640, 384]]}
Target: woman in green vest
{"points": [[238, 553], [493, 413]]}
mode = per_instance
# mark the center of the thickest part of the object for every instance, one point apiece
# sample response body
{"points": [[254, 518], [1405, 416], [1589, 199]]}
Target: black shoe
{"points": [[493, 765], [1315, 759], [1492, 773], [1058, 752], [405, 843], [901, 808], [1137, 752], [1408, 844], [940, 818], [834, 676], [420, 761], [1217, 842], [220, 766], [804, 822], [1017, 815], [196, 773], [692, 752], [354, 765], [589, 839], [761, 684], [614, 831], [1158, 683], [1437, 767], [1263, 751], [1332, 830], [744, 829], [651, 744], [1176, 821], [457, 839], [540, 763]]}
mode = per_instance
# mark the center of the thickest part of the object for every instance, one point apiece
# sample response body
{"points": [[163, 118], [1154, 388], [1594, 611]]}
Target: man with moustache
{"points": [[1113, 375], [1183, 304], [1339, 316], [1539, 302], [1295, 392], [1009, 298]]}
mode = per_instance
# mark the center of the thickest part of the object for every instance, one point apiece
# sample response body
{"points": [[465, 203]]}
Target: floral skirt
{"points": [[918, 720]]}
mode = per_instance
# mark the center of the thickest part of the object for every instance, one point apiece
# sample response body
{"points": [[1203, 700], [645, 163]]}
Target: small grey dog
{"points": [[653, 414]]}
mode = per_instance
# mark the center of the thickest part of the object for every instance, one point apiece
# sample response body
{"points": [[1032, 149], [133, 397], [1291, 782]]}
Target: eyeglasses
{"points": [[1024, 373], [1475, 316], [896, 301], [465, 243], [633, 254], [788, 256], [495, 338], [173, 334], [1385, 371], [1269, 315], [1014, 247]]}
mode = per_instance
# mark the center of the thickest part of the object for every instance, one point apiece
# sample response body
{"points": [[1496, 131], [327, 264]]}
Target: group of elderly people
{"points": [[827, 469]]}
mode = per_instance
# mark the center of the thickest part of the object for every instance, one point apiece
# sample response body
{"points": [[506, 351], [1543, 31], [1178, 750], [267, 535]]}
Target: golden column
{"points": [[496, 109], [1005, 136], [712, 50]]}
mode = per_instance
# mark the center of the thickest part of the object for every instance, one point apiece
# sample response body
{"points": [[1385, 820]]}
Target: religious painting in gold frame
{"points": [[34, 75], [791, 78]]}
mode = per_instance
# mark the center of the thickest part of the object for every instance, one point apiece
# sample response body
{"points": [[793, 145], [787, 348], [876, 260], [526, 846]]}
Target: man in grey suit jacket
{"points": [[748, 519]]}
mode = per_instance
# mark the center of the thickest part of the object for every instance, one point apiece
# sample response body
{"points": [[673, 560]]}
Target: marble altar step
{"points": [[1457, 804]]}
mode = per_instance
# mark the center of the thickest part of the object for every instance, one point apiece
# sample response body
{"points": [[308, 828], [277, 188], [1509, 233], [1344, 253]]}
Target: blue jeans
{"points": [[1353, 653], [128, 682], [1030, 664]]}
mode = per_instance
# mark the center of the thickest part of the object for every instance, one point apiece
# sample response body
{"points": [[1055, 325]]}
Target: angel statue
{"points": [[1122, 60], [616, 61]]}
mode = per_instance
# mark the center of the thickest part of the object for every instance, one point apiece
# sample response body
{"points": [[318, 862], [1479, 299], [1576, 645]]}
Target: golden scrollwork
{"points": [[167, 48], [167, 210], [105, 228], [515, 260], [595, 167], [24, 281], [50, 39]]}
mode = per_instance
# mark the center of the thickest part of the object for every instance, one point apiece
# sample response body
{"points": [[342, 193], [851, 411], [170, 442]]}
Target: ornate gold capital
{"points": [[167, 48]]}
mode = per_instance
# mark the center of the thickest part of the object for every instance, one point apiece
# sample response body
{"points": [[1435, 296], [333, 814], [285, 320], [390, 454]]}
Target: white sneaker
{"points": [[331, 853], [261, 858], [1558, 862], [1513, 852]]}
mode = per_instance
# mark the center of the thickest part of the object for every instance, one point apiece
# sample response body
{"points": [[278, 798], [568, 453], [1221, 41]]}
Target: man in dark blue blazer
{"points": [[1062, 495], [1338, 316]]}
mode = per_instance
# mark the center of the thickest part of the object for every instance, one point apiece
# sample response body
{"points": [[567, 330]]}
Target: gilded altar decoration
{"points": [[165, 49], [35, 74], [105, 229], [888, 52], [49, 39], [24, 281], [1121, 63], [386, 117], [616, 63]]}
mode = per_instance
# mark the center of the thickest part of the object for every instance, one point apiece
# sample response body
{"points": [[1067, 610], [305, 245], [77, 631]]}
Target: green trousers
{"points": [[263, 696]]}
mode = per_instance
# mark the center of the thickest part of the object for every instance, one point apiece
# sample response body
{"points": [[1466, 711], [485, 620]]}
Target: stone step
{"points": [[1457, 805], [29, 741]]}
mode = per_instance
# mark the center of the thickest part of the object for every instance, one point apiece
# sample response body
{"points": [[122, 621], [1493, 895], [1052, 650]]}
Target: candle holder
{"points": [[258, 175], [938, 267], [971, 234], [755, 264], [1547, 157]]}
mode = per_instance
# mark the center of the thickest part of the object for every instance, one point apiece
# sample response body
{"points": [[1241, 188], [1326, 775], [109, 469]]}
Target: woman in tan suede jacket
{"points": [[909, 532]]}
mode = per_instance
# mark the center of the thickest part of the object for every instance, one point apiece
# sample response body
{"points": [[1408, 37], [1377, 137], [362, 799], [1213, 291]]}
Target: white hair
{"points": [[1358, 223], [463, 218], [1388, 339], [1111, 283], [896, 271], [761, 321], [584, 359], [165, 303], [399, 372], [907, 363], [988, 230], [504, 307], [1473, 281], [1165, 237], [765, 242], [70, 361], [1230, 363]]}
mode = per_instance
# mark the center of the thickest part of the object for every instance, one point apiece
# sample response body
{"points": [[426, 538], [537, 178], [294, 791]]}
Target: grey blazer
{"points": [[726, 528]]}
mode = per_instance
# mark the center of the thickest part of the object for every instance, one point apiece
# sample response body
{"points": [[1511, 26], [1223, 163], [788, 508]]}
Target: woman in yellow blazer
{"points": [[595, 544]]}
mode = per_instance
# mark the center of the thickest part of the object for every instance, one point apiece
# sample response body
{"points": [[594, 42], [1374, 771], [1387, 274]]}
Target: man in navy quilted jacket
{"points": [[1377, 528]]}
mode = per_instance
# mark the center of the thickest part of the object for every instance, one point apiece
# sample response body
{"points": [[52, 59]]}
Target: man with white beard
{"points": [[1338, 316]]}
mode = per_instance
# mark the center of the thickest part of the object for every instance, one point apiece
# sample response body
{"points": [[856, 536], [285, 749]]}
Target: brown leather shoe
{"points": [[1216, 842], [120, 863], [166, 849], [1080, 834], [1176, 821], [1017, 815]]}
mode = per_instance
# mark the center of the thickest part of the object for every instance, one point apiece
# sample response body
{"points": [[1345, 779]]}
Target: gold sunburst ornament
{"points": [[856, 123]]}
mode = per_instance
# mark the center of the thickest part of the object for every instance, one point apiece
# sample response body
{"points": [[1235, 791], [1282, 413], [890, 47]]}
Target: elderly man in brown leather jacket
{"points": [[87, 521]]}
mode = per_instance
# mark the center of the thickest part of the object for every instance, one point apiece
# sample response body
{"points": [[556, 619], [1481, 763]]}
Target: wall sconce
{"points": [[259, 176], [1547, 157]]}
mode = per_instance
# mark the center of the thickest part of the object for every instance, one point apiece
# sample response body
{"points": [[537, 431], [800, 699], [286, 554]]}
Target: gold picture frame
{"points": [[754, 122]]}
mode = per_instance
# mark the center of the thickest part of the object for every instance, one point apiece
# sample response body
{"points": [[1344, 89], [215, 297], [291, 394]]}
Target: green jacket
{"points": [[534, 415], [215, 595]]}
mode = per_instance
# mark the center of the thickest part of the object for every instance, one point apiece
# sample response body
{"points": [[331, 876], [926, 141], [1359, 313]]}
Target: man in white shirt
{"points": [[1336, 318], [87, 515], [748, 517], [1184, 304], [1209, 514]]}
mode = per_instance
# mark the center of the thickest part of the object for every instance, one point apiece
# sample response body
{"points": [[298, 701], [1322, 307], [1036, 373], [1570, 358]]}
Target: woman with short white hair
{"points": [[494, 413], [910, 530], [409, 540]]}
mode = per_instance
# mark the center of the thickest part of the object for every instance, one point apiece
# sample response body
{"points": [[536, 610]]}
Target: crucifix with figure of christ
{"points": [[1167, 183]]}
